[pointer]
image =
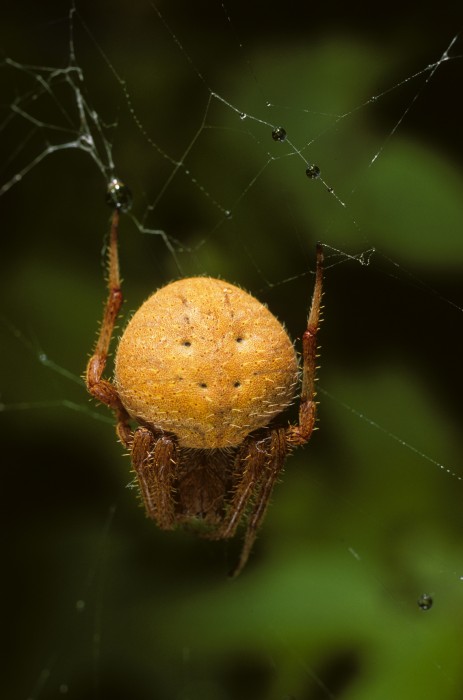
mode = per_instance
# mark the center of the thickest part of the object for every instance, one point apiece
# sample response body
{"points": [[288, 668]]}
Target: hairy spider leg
{"points": [[300, 434], [249, 465], [154, 462], [274, 451], [100, 388]]}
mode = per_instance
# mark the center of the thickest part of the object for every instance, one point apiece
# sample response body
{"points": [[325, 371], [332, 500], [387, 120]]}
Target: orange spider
{"points": [[205, 371]]}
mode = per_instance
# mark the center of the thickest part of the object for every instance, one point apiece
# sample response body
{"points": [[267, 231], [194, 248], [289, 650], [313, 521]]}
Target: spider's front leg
{"points": [[98, 387], [300, 434], [273, 466], [257, 466], [154, 462]]}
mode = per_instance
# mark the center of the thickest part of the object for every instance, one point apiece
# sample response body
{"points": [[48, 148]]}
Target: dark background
{"points": [[98, 602]]}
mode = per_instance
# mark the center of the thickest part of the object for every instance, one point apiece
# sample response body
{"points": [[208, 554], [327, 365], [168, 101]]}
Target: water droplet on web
{"points": [[243, 115], [425, 601], [279, 134], [312, 172], [118, 195], [228, 214]]}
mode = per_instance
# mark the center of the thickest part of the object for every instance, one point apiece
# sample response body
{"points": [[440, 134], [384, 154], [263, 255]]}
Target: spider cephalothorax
{"points": [[205, 370]]}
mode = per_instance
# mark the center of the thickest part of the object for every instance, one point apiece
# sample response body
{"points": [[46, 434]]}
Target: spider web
{"points": [[354, 589]]}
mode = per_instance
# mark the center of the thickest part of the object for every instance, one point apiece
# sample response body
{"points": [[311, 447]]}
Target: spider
{"points": [[203, 372]]}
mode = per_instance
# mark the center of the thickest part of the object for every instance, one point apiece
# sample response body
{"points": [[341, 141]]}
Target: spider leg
{"points": [[98, 387], [275, 459], [249, 465], [153, 460], [300, 434]]}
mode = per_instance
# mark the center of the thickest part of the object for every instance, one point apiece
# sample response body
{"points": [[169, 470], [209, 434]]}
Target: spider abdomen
{"points": [[206, 361]]}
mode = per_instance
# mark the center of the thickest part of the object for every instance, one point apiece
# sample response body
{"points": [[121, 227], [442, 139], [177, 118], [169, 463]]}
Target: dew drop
{"points": [[243, 115], [228, 214], [312, 172], [118, 195], [425, 601], [279, 134]]}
